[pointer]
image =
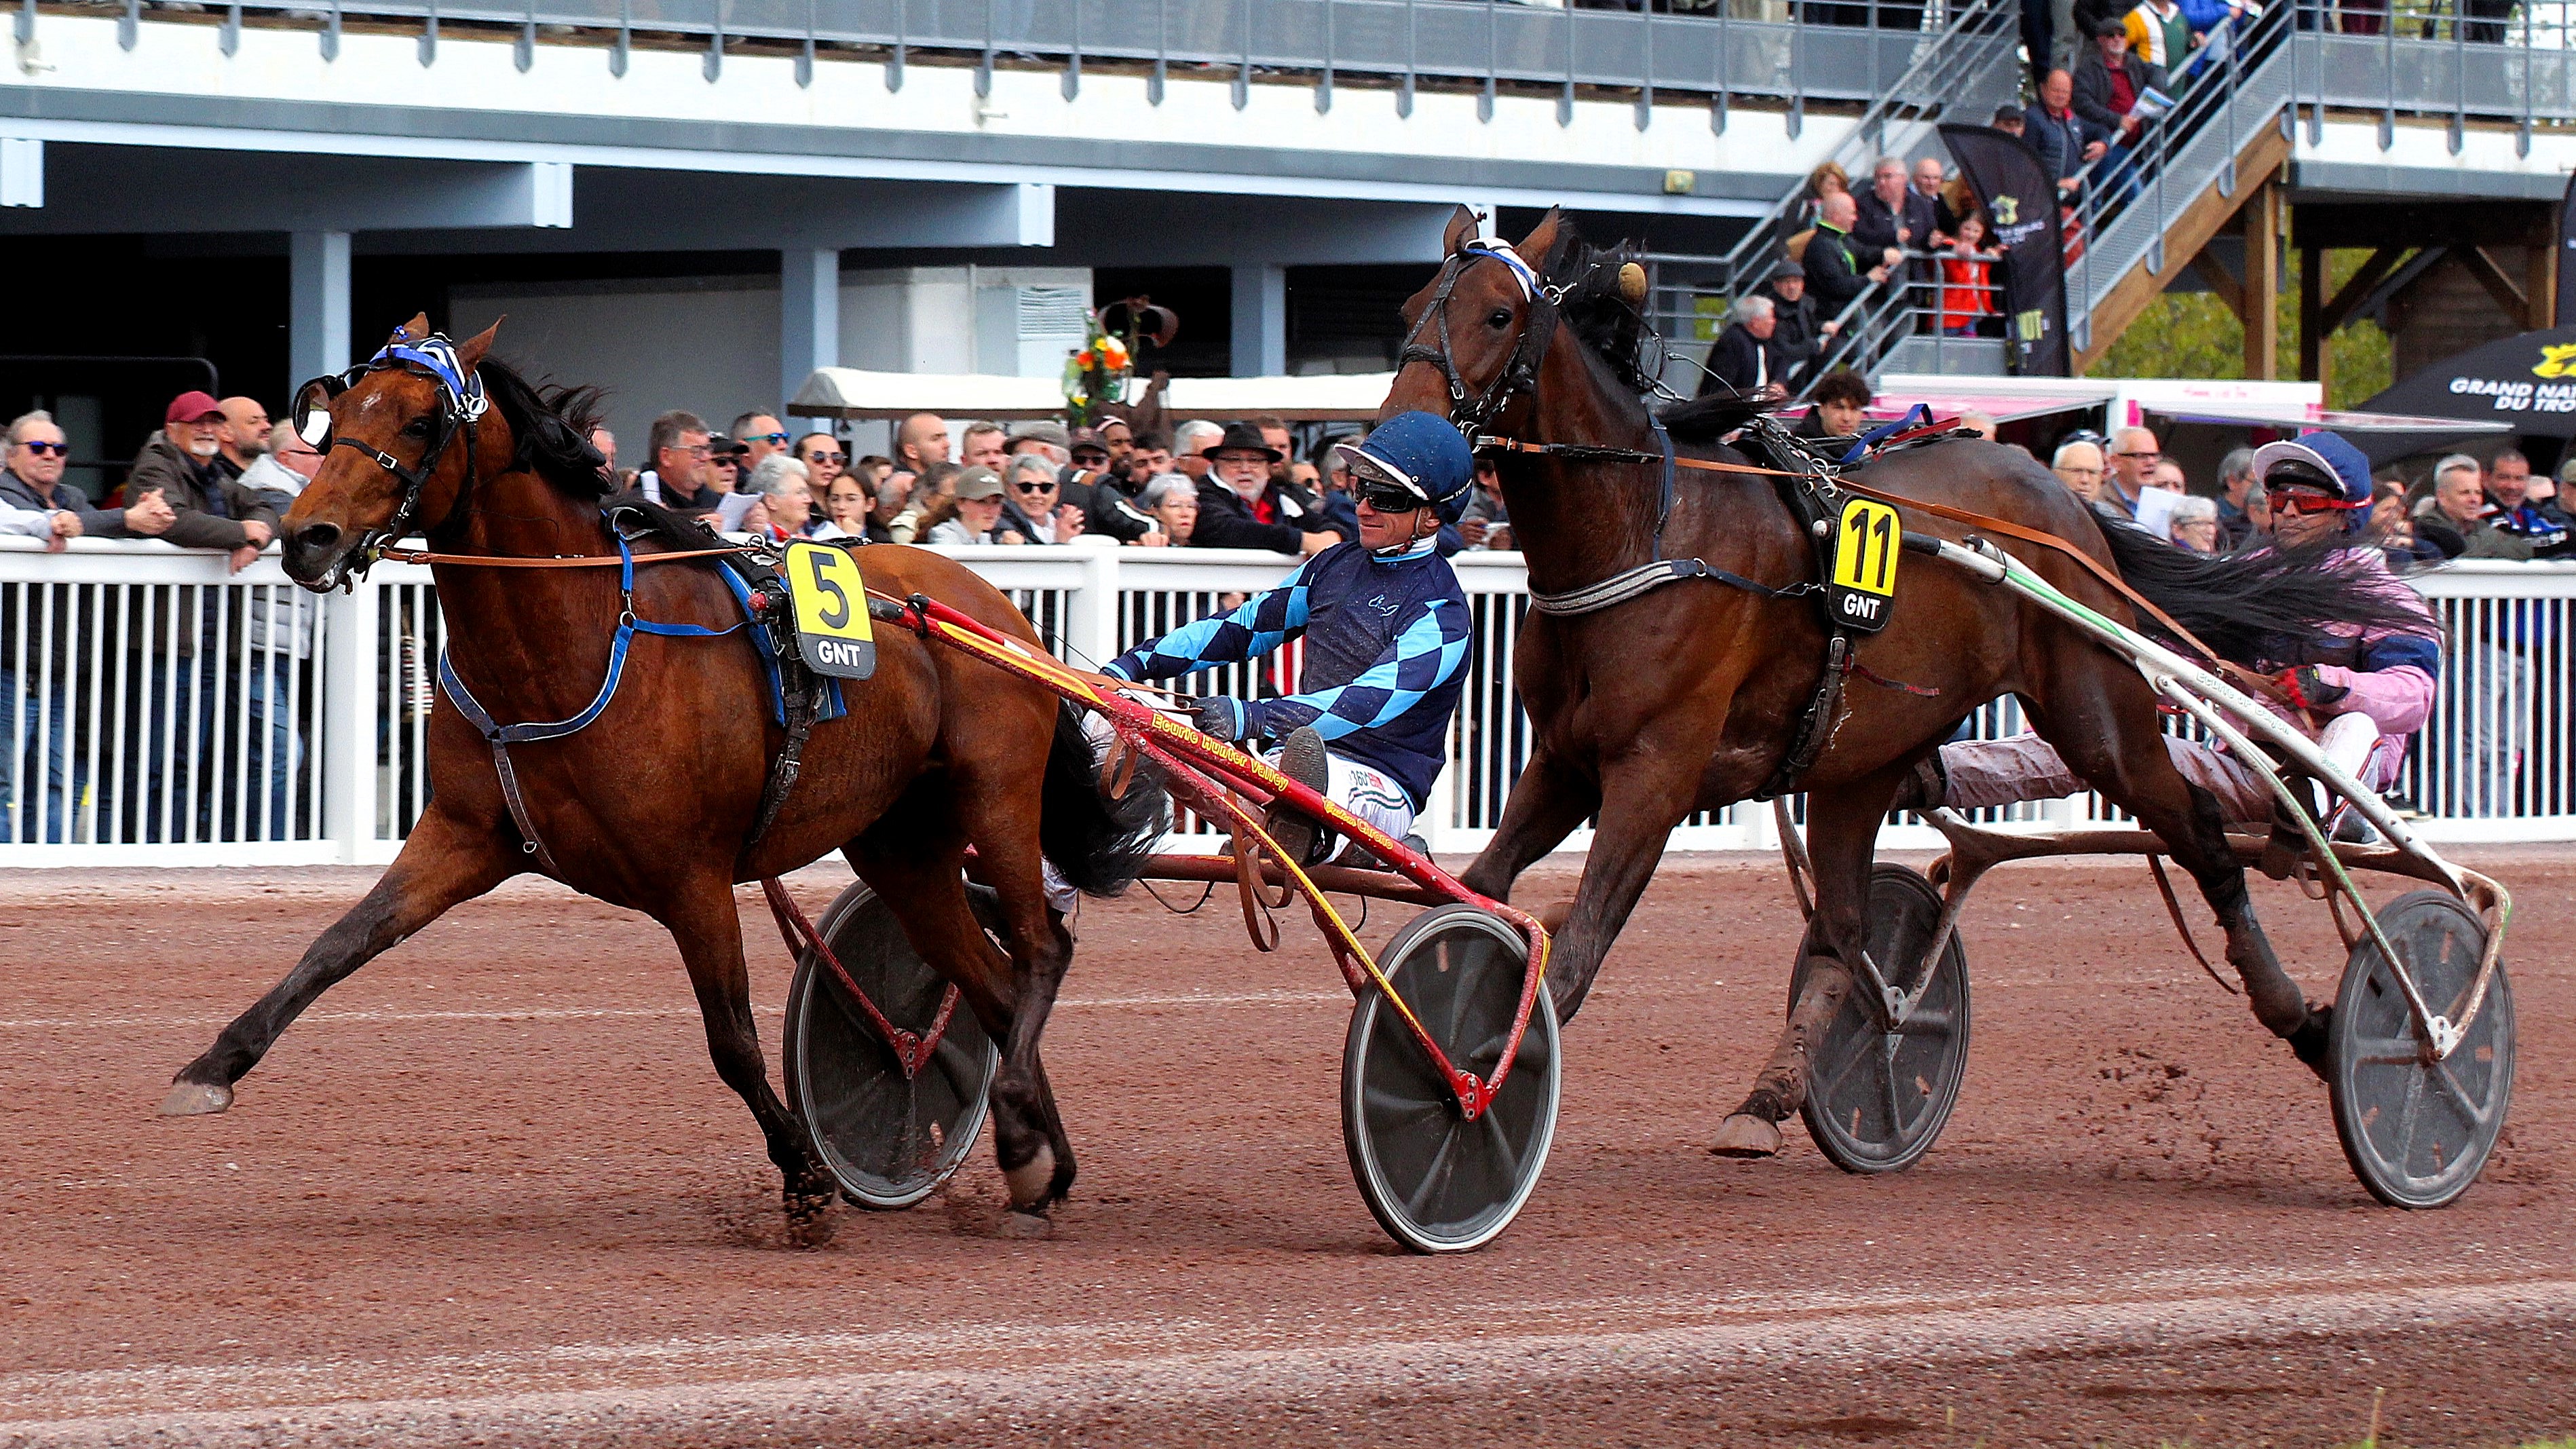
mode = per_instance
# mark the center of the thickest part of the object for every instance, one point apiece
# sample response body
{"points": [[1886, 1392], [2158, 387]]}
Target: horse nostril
{"points": [[314, 537]]}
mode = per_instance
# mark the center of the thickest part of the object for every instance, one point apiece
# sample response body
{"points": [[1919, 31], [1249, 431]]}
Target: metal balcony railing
{"points": [[1850, 52]]}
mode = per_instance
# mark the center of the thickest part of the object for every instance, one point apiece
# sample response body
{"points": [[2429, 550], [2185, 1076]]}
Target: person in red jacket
{"points": [[1967, 281]]}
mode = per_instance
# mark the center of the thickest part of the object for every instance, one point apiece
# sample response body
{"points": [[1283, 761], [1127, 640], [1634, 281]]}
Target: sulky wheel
{"points": [[1438, 1182], [889, 1141], [2418, 1132], [1876, 1099]]}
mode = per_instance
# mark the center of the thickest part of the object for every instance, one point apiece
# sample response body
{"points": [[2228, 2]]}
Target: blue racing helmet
{"points": [[2319, 462], [1421, 454]]}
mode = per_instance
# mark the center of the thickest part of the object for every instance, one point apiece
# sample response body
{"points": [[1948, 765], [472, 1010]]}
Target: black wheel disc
{"points": [[1437, 1182], [1877, 1099], [2417, 1133], [887, 1139]]}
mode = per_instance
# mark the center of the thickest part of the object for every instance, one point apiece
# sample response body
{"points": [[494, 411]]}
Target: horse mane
{"points": [[551, 429], [1592, 308]]}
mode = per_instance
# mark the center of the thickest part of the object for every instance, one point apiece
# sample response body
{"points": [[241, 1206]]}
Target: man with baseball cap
{"points": [[1242, 506], [184, 464], [2359, 699], [1386, 631]]}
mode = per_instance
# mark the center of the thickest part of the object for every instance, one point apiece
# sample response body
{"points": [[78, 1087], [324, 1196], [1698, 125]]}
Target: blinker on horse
{"points": [[655, 802], [1726, 687]]}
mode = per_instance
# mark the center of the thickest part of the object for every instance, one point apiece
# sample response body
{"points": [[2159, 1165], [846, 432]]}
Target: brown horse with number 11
{"points": [[1691, 697]]}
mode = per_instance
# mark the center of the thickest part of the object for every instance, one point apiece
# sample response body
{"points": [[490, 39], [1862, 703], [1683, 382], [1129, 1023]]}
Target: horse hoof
{"points": [[1017, 1224], [1032, 1181], [195, 1099], [1746, 1136]]}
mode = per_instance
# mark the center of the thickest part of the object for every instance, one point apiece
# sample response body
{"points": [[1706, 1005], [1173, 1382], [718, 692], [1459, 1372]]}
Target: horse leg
{"points": [[1547, 802], [699, 913], [2132, 764], [1842, 844], [446, 861], [1642, 799]]}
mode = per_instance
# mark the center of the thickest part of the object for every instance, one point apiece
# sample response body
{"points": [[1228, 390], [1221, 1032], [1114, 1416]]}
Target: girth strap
{"points": [[1646, 578]]}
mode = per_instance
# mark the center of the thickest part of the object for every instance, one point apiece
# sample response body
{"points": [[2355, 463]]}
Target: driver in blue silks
{"points": [[1386, 631]]}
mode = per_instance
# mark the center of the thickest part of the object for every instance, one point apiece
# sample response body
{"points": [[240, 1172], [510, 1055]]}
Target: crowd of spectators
{"points": [[1241, 484]]}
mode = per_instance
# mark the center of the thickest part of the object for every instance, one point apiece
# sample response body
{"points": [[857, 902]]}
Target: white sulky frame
{"points": [[2237, 719]]}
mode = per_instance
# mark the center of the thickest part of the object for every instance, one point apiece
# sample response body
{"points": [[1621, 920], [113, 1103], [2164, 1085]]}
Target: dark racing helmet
{"points": [[1418, 455]]}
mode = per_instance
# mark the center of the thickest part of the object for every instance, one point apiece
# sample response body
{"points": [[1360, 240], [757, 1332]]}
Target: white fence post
{"points": [[349, 699], [1091, 615]]}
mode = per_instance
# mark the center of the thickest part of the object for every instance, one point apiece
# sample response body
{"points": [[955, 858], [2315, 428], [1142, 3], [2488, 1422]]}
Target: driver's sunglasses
{"points": [[1386, 497], [2288, 503], [41, 450]]}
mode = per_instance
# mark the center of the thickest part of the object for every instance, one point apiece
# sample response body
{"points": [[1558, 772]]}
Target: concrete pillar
{"points": [[809, 322], [22, 171], [1260, 320], [317, 328]]}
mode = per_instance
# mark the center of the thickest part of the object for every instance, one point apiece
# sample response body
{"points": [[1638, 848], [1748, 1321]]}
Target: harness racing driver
{"points": [[1386, 631], [2359, 703]]}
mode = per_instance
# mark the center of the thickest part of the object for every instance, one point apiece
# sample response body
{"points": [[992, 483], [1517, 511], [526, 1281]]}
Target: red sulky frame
{"points": [[1221, 783]]}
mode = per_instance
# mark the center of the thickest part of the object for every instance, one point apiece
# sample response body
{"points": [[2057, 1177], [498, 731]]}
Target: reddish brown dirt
{"points": [[492, 1190]]}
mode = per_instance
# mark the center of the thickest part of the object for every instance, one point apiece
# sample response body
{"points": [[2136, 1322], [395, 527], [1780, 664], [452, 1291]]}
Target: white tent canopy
{"points": [[849, 392]]}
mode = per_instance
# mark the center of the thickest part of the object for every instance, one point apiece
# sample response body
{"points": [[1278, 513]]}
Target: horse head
{"points": [[398, 435], [1477, 332]]}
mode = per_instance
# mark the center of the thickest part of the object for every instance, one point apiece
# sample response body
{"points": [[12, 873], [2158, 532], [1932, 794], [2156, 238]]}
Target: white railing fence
{"points": [[156, 710]]}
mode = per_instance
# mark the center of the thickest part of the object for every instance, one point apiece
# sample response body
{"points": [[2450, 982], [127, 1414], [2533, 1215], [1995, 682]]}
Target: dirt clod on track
{"points": [[491, 1191]]}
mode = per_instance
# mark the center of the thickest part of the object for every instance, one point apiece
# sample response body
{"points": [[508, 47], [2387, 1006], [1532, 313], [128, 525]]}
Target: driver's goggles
{"points": [[1386, 497], [2292, 502]]}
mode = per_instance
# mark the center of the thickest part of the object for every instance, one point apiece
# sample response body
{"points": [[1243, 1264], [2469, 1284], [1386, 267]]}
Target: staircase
{"points": [[1967, 67], [2229, 131], [2229, 134]]}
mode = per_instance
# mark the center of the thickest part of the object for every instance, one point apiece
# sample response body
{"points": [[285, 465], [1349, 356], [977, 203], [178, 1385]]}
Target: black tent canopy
{"points": [[2528, 383]]}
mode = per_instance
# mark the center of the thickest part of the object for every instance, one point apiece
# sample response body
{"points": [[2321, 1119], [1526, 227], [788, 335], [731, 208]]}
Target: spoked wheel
{"points": [[2418, 1132], [1877, 1099], [1437, 1182], [887, 1139]]}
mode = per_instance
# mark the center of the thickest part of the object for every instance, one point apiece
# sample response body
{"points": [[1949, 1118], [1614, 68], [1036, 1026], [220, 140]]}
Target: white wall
{"points": [[709, 345]]}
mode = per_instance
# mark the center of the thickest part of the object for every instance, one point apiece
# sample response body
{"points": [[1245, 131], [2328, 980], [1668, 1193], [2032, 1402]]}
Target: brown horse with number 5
{"points": [[652, 806]]}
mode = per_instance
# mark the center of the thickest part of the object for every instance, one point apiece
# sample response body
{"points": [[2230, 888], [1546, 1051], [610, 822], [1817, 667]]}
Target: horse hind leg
{"points": [[445, 862], [2138, 769]]}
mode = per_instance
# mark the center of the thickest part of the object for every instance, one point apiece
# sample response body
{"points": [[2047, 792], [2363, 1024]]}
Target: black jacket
{"points": [[1797, 340], [1740, 361], [1876, 226], [2093, 88], [1226, 522], [1834, 276], [2060, 144]]}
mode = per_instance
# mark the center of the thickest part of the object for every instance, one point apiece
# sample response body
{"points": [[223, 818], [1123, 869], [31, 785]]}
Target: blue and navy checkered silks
{"points": [[1386, 656]]}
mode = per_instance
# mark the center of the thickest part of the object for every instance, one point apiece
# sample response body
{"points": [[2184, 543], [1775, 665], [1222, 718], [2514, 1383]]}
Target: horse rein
{"points": [[1639, 581]]}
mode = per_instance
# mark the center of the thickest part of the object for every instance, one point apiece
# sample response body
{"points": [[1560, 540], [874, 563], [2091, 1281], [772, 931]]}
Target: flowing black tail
{"points": [[2273, 603], [1099, 844]]}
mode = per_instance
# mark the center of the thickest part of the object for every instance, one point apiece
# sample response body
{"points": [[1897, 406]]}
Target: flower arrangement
{"points": [[1095, 374]]}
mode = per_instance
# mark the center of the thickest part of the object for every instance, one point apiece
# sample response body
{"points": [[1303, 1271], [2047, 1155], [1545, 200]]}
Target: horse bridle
{"points": [[1520, 372], [461, 405]]}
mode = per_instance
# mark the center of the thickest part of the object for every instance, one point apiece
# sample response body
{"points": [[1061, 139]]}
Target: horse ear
{"points": [[471, 352], [1462, 229], [1541, 240], [415, 330]]}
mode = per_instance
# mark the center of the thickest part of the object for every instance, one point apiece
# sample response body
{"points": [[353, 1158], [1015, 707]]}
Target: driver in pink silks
{"points": [[2359, 705]]}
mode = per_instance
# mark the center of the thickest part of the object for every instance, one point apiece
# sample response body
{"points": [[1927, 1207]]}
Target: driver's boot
{"points": [[1301, 838]]}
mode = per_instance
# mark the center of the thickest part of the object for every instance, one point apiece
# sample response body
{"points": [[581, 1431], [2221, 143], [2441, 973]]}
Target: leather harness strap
{"points": [[2005, 527], [573, 561]]}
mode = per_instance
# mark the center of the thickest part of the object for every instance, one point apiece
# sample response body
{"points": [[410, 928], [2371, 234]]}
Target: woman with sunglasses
{"points": [[823, 457], [1386, 631], [2359, 700]]}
